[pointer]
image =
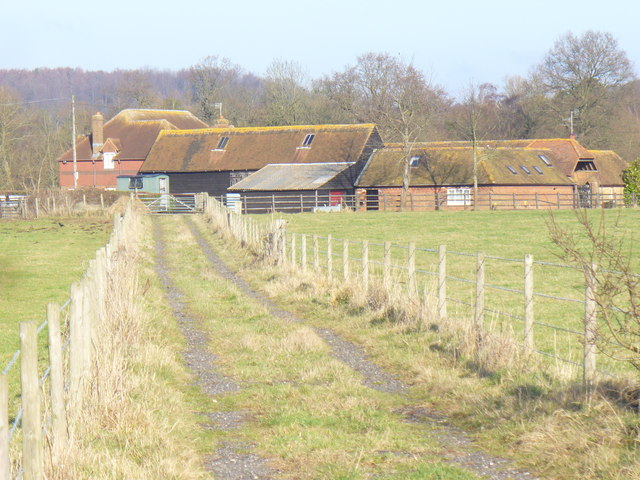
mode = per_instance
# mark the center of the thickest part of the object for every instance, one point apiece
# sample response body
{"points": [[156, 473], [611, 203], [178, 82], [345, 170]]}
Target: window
{"points": [[537, 169], [415, 161], [459, 196], [525, 170], [512, 170], [545, 160], [135, 183], [585, 165], [108, 160], [307, 140], [222, 143]]}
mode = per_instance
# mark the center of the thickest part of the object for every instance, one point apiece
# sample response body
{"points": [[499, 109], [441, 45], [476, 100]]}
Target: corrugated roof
{"points": [[253, 148], [280, 177], [453, 165], [134, 131]]}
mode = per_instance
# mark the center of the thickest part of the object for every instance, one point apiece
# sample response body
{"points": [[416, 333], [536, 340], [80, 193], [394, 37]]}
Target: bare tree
{"points": [[286, 93], [210, 81], [383, 89], [580, 73]]}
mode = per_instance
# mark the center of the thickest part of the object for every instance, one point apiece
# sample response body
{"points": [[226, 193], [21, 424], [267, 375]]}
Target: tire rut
{"points": [[232, 460], [457, 446]]}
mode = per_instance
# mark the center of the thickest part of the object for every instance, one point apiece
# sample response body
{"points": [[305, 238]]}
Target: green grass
{"points": [[305, 410], [505, 235]]}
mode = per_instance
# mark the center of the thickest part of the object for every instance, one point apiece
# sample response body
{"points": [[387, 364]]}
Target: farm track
{"points": [[234, 460]]}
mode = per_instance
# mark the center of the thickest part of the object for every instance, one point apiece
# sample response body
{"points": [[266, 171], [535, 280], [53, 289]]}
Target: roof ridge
{"points": [[283, 128]]}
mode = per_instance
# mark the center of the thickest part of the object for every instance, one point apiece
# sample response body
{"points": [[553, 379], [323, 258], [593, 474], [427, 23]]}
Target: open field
{"points": [[39, 260], [505, 237]]}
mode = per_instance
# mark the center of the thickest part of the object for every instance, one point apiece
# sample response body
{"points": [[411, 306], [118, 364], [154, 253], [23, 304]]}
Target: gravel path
{"points": [[457, 447], [232, 461]]}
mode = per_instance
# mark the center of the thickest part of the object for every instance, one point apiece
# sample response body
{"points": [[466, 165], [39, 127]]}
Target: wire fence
{"points": [[60, 378], [548, 308]]}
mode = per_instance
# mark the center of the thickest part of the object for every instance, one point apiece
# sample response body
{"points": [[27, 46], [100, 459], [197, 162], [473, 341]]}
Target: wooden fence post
{"points": [[32, 445], [442, 282], [329, 257], [386, 265], [528, 302], [345, 259], [316, 253], [37, 207], [293, 249], [590, 329], [479, 304], [75, 346], [59, 418], [365, 265], [303, 252], [411, 270], [5, 464]]}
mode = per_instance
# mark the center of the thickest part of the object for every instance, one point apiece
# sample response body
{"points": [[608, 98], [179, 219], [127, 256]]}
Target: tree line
{"points": [[584, 85]]}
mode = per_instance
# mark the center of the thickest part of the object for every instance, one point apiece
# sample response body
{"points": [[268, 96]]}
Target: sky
{"points": [[454, 42]]}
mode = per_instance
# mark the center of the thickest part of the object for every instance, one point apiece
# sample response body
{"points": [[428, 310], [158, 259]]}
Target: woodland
{"points": [[584, 85]]}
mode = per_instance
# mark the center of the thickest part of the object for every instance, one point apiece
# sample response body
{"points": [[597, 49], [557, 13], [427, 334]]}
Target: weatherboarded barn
{"points": [[119, 146], [296, 187], [212, 160], [441, 176]]}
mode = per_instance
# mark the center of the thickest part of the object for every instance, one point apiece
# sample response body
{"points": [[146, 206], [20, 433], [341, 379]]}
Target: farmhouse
{"points": [[511, 174], [213, 159], [119, 146]]}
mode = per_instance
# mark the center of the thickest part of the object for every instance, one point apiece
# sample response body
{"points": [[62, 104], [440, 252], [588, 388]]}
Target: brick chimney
{"points": [[97, 132]]}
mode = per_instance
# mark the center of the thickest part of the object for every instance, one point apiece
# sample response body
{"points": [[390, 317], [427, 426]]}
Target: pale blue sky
{"points": [[454, 41]]}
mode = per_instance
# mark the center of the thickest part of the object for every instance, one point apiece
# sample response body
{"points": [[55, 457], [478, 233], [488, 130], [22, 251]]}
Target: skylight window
{"points": [[308, 139], [512, 170], [222, 143], [537, 169], [546, 161], [525, 169], [415, 161]]}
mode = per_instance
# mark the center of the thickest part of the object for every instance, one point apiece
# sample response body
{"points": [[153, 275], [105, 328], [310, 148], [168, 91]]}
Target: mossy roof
{"points": [[254, 147]]}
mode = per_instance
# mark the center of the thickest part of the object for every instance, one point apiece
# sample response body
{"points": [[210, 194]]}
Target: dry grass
{"points": [[136, 421]]}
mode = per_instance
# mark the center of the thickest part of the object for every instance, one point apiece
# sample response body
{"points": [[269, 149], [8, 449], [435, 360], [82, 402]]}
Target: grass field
{"points": [[39, 260], [505, 237]]}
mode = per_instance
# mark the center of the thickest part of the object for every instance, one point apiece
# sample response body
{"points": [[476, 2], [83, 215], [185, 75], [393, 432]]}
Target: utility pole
{"points": [[73, 140]]}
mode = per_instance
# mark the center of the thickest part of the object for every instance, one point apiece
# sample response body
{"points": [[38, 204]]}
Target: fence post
{"points": [[32, 455], [329, 257], [479, 304], [590, 327], [537, 202], [386, 265], [303, 252], [316, 254], [558, 194], [442, 282], [411, 264], [75, 346], [59, 419], [365, 265], [5, 469], [293, 249], [37, 207], [345, 259], [528, 302]]}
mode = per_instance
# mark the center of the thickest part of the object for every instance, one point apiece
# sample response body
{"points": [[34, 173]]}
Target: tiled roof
{"points": [[444, 164], [134, 131], [253, 148], [610, 167], [301, 176]]}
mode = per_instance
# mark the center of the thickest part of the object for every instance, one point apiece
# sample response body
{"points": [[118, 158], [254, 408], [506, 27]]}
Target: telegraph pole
{"points": [[73, 140]]}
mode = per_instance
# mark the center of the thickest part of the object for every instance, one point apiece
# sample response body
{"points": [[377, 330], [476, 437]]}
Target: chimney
{"points": [[222, 122], [97, 132]]}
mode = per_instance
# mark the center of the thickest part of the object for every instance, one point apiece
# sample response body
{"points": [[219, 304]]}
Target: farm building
{"points": [[119, 146], [441, 176], [153, 183], [295, 188], [212, 160]]}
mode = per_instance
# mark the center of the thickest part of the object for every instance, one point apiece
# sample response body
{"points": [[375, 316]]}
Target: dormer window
{"points": [[415, 161], [307, 140], [222, 143], [585, 165]]}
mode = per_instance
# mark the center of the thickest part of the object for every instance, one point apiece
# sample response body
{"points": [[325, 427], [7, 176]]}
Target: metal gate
{"points": [[584, 196], [172, 203]]}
